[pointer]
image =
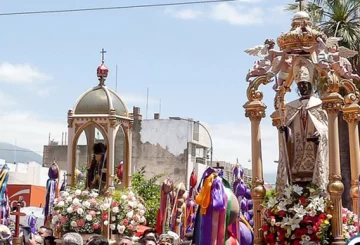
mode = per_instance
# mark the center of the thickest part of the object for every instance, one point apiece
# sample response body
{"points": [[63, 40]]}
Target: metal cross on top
{"points": [[300, 4], [103, 52], [218, 166]]}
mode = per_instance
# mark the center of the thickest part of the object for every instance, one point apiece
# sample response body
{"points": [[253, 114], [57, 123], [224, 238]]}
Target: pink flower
{"points": [[75, 208], [136, 218], [59, 199], [63, 219], [96, 226], [93, 201], [130, 227], [92, 213], [80, 223]]}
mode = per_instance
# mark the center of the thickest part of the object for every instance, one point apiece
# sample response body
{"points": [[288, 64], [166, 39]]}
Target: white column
{"points": [[70, 158]]}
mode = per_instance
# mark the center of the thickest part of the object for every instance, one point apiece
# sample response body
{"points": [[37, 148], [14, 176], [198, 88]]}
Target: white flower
{"points": [[130, 214], [106, 222], [73, 224], [282, 206], [68, 199], [69, 210], [86, 204], [61, 204], [55, 219], [113, 218], [112, 227], [133, 222], [294, 223], [78, 192], [287, 191], [142, 220], [272, 202], [76, 201], [142, 212], [115, 209], [297, 189], [124, 197], [121, 229], [65, 194], [131, 204], [285, 222], [140, 206], [80, 211], [94, 194], [299, 210], [105, 206], [88, 217]]}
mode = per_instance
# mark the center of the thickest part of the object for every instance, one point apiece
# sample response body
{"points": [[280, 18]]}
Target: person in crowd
{"points": [[148, 241], [45, 231], [125, 241], [49, 240], [98, 240], [72, 238]]}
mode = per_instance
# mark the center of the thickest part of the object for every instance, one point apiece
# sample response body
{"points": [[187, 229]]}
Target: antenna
{"points": [[15, 151], [49, 138], [147, 103], [116, 78], [160, 107]]}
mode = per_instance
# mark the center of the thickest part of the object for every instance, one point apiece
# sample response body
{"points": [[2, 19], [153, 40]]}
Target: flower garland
{"points": [[126, 213], [298, 216], [350, 224], [78, 211]]}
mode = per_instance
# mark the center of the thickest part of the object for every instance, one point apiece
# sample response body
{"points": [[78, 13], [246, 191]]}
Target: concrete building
{"points": [[229, 171], [172, 146]]}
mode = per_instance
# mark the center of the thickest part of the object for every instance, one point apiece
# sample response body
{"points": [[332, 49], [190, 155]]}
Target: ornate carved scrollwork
{"points": [[70, 119], [353, 95], [333, 102], [253, 94], [258, 190]]}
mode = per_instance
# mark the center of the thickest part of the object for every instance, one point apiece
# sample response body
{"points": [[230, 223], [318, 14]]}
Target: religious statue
{"points": [[304, 151], [331, 56], [269, 55], [52, 191], [96, 169]]}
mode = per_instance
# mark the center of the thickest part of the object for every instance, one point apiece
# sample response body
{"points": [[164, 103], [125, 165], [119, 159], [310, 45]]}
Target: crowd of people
{"points": [[45, 236]]}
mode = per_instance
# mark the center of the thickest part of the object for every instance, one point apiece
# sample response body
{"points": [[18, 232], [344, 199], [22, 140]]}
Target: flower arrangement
{"points": [[350, 224], [126, 213], [298, 216], [78, 211]]}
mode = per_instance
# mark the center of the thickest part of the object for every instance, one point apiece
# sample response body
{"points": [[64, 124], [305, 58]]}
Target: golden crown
{"points": [[301, 34]]}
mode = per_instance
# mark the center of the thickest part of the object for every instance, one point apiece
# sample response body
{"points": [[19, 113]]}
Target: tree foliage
{"points": [[149, 191]]}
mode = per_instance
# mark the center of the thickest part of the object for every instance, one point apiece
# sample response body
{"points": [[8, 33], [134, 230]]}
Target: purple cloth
{"points": [[246, 235], [218, 194]]}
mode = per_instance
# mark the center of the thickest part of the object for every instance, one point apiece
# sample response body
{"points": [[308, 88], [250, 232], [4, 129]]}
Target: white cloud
{"points": [[237, 15], [130, 98], [185, 14], [233, 140], [29, 131], [21, 74], [6, 101]]}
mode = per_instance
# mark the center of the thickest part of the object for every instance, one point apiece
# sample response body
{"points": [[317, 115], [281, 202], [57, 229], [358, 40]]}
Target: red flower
{"points": [[105, 216], [265, 228], [296, 242], [125, 222], [345, 219], [282, 213], [80, 222], [303, 200], [322, 216], [115, 204], [96, 226], [270, 238]]}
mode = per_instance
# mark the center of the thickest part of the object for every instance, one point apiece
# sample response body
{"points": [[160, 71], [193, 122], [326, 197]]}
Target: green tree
{"points": [[149, 191], [339, 18]]}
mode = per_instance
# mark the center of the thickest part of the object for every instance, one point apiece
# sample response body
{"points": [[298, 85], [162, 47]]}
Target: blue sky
{"points": [[191, 57]]}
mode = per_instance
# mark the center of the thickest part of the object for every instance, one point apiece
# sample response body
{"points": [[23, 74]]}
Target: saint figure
{"points": [[304, 146], [96, 172]]}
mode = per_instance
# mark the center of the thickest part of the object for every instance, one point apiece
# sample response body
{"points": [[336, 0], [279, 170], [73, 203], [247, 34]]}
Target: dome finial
{"points": [[102, 70]]}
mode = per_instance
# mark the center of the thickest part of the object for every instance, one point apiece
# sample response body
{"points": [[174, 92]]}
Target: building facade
{"points": [[173, 147]]}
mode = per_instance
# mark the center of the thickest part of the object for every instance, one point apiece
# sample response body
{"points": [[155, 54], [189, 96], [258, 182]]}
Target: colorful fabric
{"points": [[52, 191], [4, 199]]}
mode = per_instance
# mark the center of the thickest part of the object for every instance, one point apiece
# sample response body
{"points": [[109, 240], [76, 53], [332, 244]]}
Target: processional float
{"points": [[306, 57]]}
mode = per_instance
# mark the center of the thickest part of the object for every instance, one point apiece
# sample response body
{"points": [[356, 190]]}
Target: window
{"points": [[196, 131]]}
